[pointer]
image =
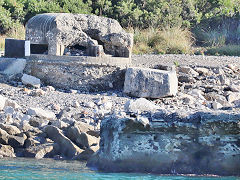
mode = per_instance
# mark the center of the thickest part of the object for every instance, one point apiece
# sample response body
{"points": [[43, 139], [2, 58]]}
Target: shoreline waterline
{"points": [[30, 168]]}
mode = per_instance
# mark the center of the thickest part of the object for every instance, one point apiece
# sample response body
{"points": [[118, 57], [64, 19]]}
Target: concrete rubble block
{"points": [[67, 147], [39, 112], [151, 83], [6, 151], [31, 80], [12, 66]]}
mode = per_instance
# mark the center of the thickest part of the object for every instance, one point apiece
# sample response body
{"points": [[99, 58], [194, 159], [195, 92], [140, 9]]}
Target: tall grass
{"points": [[166, 41], [17, 33]]}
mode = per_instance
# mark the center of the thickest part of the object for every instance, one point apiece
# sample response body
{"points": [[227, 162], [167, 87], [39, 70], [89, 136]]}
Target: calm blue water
{"points": [[21, 168]]}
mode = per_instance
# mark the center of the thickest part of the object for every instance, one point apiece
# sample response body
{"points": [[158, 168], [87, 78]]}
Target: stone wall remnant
{"points": [[60, 33]]}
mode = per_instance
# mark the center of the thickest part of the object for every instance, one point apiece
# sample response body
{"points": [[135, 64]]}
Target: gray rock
{"points": [[188, 70], [140, 105], [3, 137], [152, 83], [12, 66], [39, 151], [203, 71], [12, 104], [41, 113], [6, 151], [216, 105], [82, 139], [38, 122], [67, 147], [2, 102], [31, 80], [10, 129], [224, 80], [16, 141]]}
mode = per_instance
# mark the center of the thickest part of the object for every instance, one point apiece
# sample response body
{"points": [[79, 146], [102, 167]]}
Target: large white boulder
{"points": [[2, 102], [152, 83], [31, 80]]}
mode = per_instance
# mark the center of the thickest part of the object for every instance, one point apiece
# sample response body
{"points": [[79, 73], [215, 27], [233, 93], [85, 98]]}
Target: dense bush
{"points": [[213, 22], [135, 13]]}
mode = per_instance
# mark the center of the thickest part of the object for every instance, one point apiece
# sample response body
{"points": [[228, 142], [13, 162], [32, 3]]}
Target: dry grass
{"points": [[165, 41], [18, 33]]}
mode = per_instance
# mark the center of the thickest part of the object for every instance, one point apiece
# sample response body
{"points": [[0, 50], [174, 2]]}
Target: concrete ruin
{"points": [[77, 35]]}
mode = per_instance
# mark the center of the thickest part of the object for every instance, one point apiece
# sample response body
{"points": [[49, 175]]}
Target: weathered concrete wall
{"points": [[200, 143], [82, 73]]}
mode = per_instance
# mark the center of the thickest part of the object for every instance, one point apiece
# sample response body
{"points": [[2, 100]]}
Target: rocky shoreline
{"points": [[65, 124]]}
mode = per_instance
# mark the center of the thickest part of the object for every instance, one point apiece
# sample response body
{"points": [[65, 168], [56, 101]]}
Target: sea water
{"points": [[22, 168]]}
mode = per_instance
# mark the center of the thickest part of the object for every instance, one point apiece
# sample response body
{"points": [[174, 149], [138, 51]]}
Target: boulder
{"points": [[2, 102], [3, 137], [188, 70], [41, 113], [31, 80], [38, 122], [85, 155], [140, 105], [151, 83], [10, 129], [39, 151], [6, 151], [81, 139], [67, 147], [202, 71], [16, 141]]}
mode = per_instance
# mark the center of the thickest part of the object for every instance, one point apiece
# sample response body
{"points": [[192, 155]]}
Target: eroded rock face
{"points": [[61, 30], [199, 143]]}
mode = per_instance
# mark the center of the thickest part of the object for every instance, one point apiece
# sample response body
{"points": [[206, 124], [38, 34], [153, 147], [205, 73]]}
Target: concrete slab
{"points": [[105, 60]]}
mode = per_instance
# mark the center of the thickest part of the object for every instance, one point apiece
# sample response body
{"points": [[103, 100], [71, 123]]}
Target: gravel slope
{"points": [[196, 60]]}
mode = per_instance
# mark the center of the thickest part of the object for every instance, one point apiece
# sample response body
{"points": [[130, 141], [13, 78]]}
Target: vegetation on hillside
{"points": [[160, 26]]}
